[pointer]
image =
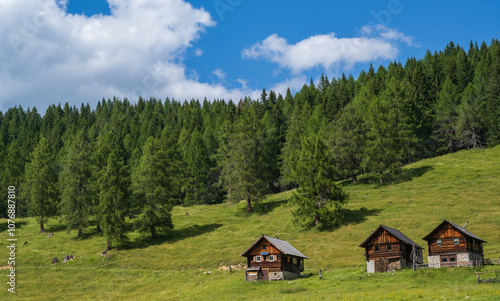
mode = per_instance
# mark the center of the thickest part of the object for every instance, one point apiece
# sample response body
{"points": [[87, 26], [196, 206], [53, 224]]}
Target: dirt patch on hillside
{"points": [[239, 266]]}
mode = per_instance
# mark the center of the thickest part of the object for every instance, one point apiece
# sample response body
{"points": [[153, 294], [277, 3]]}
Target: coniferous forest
{"points": [[139, 158]]}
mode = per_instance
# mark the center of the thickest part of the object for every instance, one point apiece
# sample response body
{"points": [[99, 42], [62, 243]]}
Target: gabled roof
{"points": [[395, 233], [457, 227], [283, 246]]}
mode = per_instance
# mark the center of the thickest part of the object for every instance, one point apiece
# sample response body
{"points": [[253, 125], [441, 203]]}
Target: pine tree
{"points": [[41, 183], [152, 182], [75, 185], [318, 199]]}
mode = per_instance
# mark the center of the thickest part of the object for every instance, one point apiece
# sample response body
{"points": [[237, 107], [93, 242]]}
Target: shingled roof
{"points": [[395, 233], [457, 227], [283, 246]]}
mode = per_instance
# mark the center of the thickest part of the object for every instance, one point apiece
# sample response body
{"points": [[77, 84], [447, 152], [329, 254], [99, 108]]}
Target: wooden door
{"points": [[381, 265], [448, 260], [265, 274]]}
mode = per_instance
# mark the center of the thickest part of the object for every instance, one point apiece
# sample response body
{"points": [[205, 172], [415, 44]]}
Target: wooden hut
{"points": [[388, 249], [450, 245], [271, 258]]}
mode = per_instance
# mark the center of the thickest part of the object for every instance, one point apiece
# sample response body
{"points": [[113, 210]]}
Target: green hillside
{"points": [[460, 187]]}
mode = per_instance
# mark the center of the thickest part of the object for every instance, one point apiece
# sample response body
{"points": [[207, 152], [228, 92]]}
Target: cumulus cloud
{"points": [[50, 56], [328, 51]]}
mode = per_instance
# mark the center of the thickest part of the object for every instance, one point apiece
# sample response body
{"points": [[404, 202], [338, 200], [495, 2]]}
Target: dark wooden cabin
{"points": [[450, 245], [388, 249], [271, 258]]}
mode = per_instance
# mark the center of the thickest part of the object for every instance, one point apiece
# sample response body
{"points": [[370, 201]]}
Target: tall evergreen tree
{"points": [[318, 199], [470, 123], [445, 116], [152, 182], [114, 195], [240, 162], [349, 139], [75, 185], [41, 183]]}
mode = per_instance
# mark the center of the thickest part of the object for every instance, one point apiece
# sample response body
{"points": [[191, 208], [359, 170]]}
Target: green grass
{"points": [[460, 187]]}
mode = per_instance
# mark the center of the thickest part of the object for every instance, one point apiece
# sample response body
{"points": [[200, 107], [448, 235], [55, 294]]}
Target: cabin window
{"points": [[452, 258], [438, 242], [271, 258], [456, 241], [264, 247], [444, 259], [288, 258], [389, 247], [473, 242], [258, 258], [377, 248], [294, 260]]}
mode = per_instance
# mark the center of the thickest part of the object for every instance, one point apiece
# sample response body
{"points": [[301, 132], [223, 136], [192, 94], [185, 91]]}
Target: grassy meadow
{"points": [[188, 263]]}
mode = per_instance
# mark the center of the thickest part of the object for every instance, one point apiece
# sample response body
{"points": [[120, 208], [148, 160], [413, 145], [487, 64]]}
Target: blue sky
{"points": [[81, 51]]}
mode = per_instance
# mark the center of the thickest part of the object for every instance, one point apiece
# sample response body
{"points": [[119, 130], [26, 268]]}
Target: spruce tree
{"points": [[114, 195], [349, 139], [470, 124], [41, 183], [75, 185], [153, 183], [240, 161], [445, 116], [200, 180], [319, 199]]}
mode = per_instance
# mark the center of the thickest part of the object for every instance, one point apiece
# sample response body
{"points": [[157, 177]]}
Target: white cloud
{"points": [[220, 74], [243, 83], [329, 51], [295, 84], [198, 52], [389, 34], [50, 56]]}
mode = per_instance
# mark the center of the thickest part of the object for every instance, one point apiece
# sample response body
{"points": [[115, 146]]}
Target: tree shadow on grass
{"points": [[55, 226], [174, 235], [401, 175], [350, 217], [396, 176], [266, 207], [353, 217], [5, 226]]}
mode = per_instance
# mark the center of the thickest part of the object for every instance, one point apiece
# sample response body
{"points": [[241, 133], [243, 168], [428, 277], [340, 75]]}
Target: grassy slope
{"points": [[460, 187]]}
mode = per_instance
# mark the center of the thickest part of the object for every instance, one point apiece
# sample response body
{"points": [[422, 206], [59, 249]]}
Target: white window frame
{"points": [[457, 240], [258, 258], [272, 257]]}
